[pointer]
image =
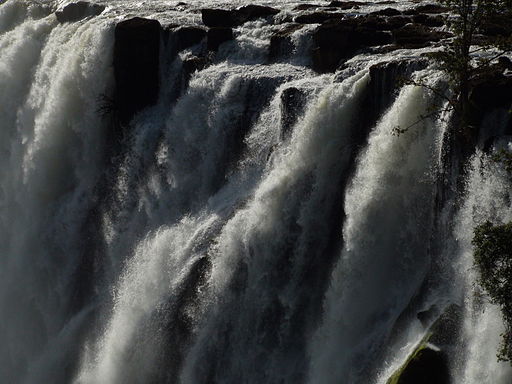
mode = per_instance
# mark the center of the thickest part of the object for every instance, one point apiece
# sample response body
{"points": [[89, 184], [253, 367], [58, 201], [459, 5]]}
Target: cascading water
{"points": [[386, 234], [259, 223], [488, 198]]}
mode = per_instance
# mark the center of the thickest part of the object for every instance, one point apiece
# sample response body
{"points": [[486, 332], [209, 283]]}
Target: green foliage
{"points": [[459, 59], [493, 259]]}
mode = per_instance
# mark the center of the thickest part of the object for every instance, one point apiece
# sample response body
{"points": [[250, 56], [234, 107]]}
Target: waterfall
{"points": [[260, 222], [51, 158], [385, 242], [487, 198]]}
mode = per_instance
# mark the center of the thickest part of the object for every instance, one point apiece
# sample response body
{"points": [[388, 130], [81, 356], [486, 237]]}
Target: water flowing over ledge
{"points": [[182, 203]]}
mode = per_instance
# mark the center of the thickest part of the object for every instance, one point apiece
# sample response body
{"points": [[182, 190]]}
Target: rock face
{"points": [[136, 66], [233, 18], [218, 18], [217, 36], [426, 366], [77, 11], [498, 25], [491, 90], [193, 64], [187, 37], [281, 45], [387, 12], [317, 17], [416, 36], [339, 40], [293, 101]]}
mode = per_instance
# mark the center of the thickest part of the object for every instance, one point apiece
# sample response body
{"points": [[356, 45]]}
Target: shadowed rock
{"points": [[417, 36], [293, 102], [317, 17], [78, 11], [217, 36], [387, 12], [136, 65], [233, 18], [281, 45], [336, 41], [426, 366], [347, 4], [187, 37]]}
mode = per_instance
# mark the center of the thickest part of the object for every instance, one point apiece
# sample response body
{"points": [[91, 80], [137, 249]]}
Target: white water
{"points": [[305, 278], [385, 241], [487, 198]]}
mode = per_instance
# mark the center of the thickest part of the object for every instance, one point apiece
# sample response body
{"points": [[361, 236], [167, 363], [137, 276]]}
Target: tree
{"points": [[493, 259], [470, 18], [471, 22]]}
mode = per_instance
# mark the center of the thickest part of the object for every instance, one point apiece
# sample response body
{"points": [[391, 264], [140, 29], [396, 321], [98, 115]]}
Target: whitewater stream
{"points": [[220, 241]]}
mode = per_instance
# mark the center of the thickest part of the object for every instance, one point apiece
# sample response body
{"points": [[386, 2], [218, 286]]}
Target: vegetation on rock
{"points": [[426, 365], [493, 259]]}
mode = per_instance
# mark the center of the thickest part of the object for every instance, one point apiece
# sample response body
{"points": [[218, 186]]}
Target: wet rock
{"points": [[253, 12], [136, 65], [233, 18], [293, 101], [444, 331], [490, 90], [346, 4], [497, 25], [217, 36], [428, 20], [336, 41], [281, 45], [387, 12], [186, 37], [426, 366], [217, 18], [306, 7], [427, 316], [193, 64], [505, 63], [384, 84], [317, 17], [417, 36], [78, 11], [396, 22], [431, 8]]}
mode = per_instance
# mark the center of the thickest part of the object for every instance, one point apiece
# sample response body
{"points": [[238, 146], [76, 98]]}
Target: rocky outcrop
{"points": [[186, 37], [497, 26], [317, 17], [417, 36], [222, 18], [387, 12], [293, 101], [346, 4], [233, 18], [427, 365], [193, 64], [428, 20], [429, 362], [281, 45], [78, 11], [217, 36], [336, 41], [431, 8], [491, 90], [136, 66]]}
